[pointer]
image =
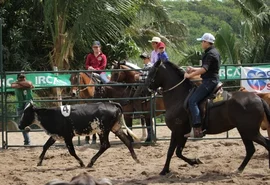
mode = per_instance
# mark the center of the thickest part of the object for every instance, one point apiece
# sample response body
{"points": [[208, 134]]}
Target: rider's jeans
{"points": [[24, 133], [200, 94], [104, 78]]}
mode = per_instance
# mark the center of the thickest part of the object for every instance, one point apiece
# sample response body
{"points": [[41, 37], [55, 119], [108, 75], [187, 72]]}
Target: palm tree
{"points": [[152, 19], [257, 13], [69, 21]]}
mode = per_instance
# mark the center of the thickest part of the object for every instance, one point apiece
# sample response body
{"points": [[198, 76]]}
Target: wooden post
{"points": [[58, 90]]}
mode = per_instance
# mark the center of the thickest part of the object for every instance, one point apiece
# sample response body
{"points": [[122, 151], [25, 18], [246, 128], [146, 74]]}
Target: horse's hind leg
{"points": [[264, 142], [94, 139], [150, 131], [87, 138], [143, 129], [179, 150], [250, 150]]}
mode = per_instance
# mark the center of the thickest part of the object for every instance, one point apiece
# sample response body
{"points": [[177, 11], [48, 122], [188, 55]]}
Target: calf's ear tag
{"points": [[65, 110]]}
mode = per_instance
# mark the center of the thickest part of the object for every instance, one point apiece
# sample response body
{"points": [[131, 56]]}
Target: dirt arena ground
{"points": [[221, 157]]}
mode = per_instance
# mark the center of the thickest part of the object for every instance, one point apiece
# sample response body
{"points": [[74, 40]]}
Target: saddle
{"points": [[97, 80], [216, 98]]}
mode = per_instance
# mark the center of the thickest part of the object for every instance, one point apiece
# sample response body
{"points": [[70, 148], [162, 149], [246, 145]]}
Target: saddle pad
{"points": [[65, 110], [219, 99]]}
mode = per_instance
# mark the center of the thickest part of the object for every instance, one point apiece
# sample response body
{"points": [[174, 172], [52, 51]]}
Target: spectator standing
{"points": [[23, 93]]}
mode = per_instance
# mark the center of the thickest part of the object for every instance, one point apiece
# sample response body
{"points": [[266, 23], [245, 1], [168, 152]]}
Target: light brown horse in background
{"points": [[83, 92], [128, 76], [266, 97]]}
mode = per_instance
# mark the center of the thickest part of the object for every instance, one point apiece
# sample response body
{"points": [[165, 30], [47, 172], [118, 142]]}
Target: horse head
{"points": [[74, 80], [165, 75], [127, 75], [79, 88]]}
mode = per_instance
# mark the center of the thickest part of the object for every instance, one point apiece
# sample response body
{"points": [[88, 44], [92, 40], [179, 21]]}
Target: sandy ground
{"points": [[221, 157]]}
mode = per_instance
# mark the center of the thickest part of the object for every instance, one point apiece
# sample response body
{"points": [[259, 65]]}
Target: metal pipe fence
{"points": [[5, 103]]}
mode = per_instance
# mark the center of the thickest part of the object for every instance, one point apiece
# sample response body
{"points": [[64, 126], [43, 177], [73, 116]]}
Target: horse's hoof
{"points": [[237, 171], [164, 172], [137, 161], [93, 142], [82, 165], [198, 161], [90, 165]]}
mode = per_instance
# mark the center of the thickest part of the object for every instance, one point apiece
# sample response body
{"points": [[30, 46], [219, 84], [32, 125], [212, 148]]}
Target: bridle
{"points": [[78, 79], [152, 80]]}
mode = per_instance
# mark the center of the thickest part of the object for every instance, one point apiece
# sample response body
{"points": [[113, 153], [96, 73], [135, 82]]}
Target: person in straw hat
{"points": [[154, 53]]}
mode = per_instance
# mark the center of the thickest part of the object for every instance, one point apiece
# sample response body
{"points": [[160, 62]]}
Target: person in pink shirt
{"points": [[154, 53], [97, 61]]}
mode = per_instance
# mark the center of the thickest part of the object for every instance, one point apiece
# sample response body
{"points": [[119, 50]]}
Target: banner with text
{"points": [[253, 82], [41, 80]]}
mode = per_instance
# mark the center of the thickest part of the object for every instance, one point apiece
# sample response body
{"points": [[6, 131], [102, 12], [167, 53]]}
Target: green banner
{"points": [[41, 80], [230, 72]]}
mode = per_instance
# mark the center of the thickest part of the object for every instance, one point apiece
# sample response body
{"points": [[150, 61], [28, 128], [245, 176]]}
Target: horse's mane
{"points": [[179, 70]]}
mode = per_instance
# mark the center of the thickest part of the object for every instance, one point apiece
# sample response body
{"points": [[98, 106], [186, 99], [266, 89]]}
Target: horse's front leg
{"points": [[173, 144], [180, 146]]}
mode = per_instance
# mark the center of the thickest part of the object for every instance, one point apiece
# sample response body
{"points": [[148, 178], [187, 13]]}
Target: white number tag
{"points": [[65, 110]]}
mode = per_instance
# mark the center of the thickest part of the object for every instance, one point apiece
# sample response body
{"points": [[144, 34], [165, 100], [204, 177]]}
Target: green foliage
{"points": [[204, 16], [24, 39]]}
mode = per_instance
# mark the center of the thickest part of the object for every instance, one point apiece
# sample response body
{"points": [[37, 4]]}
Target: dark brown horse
{"points": [[244, 111], [128, 76], [85, 92]]}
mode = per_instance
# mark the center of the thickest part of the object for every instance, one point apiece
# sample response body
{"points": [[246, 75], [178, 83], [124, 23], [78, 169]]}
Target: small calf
{"points": [[65, 122]]}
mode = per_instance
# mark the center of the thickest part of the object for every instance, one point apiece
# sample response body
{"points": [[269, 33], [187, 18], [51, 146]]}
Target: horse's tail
{"points": [[266, 110]]}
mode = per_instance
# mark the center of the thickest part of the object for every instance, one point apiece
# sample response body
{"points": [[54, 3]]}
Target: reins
{"points": [[174, 86], [85, 88]]}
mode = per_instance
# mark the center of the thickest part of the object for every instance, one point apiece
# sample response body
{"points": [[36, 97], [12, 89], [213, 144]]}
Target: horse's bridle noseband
{"points": [[152, 80]]}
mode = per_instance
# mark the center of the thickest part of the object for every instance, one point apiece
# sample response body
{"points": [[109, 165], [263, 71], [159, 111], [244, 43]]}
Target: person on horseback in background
{"points": [[141, 77], [162, 54], [97, 61], [154, 53], [210, 78]]}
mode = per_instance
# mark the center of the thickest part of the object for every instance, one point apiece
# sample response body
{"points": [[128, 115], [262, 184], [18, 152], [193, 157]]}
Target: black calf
{"points": [[65, 122]]}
